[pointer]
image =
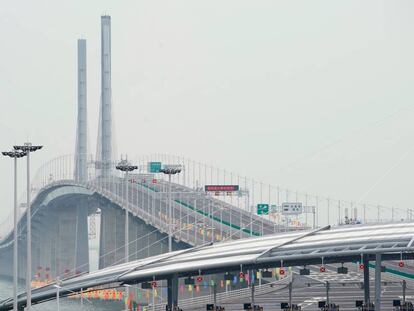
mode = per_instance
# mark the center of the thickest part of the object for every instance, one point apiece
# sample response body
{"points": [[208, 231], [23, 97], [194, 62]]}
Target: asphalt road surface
{"points": [[344, 289]]}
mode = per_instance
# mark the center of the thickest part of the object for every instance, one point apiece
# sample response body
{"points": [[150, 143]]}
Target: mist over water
{"points": [[6, 291]]}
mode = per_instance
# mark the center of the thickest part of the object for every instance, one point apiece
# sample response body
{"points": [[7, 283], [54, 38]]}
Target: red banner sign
{"points": [[223, 188]]}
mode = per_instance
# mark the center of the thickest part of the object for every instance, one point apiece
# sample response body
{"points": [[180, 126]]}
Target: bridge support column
{"points": [[378, 282], [172, 291], [71, 244], [22, 263], [112, 237], [45, 236], [365, 262], [81, 239], [6, 262]]}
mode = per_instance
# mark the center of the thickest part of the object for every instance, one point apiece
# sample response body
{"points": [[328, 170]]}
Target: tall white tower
{"points": [[81, 130], [104, 146]]}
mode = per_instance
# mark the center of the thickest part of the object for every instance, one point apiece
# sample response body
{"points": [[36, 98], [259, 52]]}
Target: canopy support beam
{"points": [[365, 262], [378, 282], [172, 291]]}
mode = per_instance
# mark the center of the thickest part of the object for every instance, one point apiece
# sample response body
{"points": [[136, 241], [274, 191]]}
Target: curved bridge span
{"points": [[62, 205]]}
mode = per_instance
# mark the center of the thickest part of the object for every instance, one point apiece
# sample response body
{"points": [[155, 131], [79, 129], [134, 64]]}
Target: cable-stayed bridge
{"points": [[61, 207], [68, 191], [62, 204]]}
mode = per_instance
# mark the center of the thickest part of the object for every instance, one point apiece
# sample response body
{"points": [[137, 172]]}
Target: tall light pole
{"points": [[125, 166], [57, 286], [15, 155], [27, 148], [170, 170]]}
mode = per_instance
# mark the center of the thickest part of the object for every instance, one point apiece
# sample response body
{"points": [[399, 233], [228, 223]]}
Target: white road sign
{"points": [[294, 208]]}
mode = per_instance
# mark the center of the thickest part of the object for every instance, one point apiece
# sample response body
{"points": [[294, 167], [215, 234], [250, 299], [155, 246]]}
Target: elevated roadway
{"points": [[60, 233]]}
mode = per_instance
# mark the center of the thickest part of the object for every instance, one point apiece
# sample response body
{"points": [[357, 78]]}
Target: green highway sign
{"points": [[154, 167], [262, 209]]}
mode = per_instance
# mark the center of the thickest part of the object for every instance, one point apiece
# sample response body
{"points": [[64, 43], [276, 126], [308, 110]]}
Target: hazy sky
{"points": [[313, 95]]}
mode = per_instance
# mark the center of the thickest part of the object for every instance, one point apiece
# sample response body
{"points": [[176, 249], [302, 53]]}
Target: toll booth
{"points": [[211, 307], [406, 306], [330, 307], [250, 307], [286, 307], [323, 306], [361, 306]]}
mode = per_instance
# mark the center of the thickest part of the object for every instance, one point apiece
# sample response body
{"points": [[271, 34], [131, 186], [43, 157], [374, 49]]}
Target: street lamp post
{"points": [[27, 148], [57, 286], [170, 170], [125, 166], [15, 155]]}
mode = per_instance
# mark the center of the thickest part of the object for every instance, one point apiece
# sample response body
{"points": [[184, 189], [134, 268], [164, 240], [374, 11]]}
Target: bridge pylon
{"points": [[80, 173], [104, 145]]}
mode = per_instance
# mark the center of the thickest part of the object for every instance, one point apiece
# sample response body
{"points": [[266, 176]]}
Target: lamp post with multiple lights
{"points": [[15, 155], [27, 148], [170, 170], [126, 167]]}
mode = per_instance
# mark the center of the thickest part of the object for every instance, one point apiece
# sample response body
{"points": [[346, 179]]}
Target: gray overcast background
{"points": [[312, 95]]}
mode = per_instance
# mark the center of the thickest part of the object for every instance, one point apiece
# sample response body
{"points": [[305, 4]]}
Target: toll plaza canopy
{"points": [[324, 245]]}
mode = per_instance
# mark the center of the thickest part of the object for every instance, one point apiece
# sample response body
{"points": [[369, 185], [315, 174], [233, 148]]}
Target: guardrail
{"points": [[195, 175]]}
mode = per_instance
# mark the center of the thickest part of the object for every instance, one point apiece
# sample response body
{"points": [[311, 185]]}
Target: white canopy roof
{"points": [[338, 244]]}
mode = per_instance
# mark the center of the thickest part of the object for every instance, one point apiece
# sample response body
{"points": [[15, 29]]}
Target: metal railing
{"points": [[191, 181]]}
